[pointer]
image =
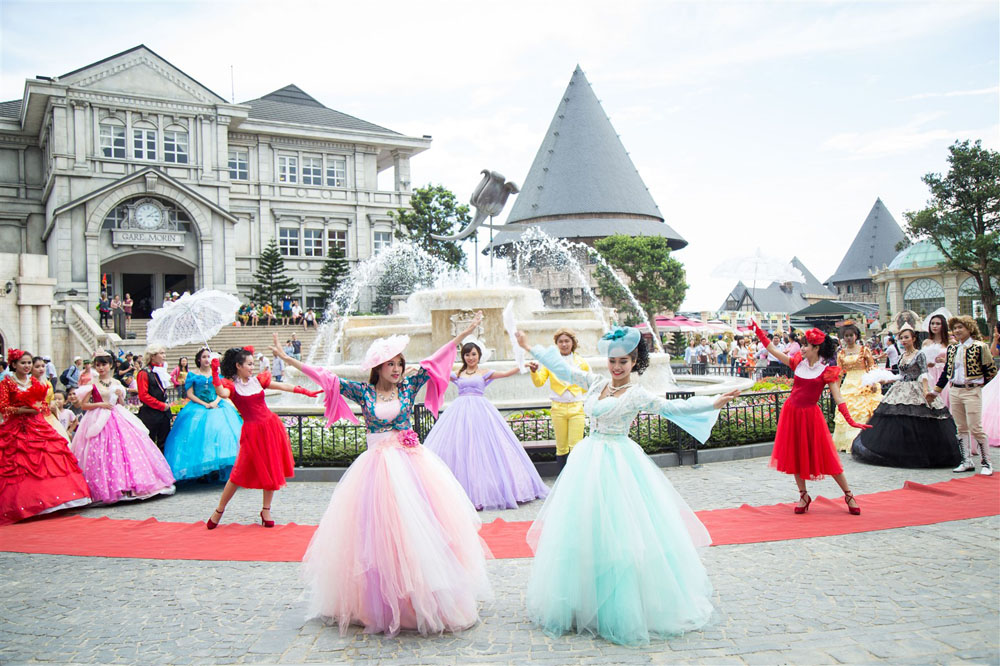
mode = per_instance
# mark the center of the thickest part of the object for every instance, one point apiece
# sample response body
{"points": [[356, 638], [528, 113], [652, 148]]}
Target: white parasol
{"points": [[192, 318], [758, 267]]}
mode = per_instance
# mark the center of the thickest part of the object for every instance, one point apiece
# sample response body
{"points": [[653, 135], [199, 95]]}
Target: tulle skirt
{"points": [[38, 473], [615, 549], [991, 411], [907, 432], [203, 440], [475, 442], [118, 458], [802, 443], [398, 547]]}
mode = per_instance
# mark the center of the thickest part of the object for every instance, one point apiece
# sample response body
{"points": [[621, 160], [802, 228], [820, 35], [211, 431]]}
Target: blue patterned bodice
{"points": [[363, 393]]}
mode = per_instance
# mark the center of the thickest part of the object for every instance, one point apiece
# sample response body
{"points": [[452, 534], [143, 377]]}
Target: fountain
{"points": [[444, 302]]}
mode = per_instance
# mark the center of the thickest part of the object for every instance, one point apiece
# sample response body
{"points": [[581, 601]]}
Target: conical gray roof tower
{"points": [[582, 183], [873, 247]]}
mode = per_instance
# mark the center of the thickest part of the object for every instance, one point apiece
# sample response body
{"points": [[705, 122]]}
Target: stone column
{"points": [[79, 134], [44, 326], [27, 340], [401, 166]]}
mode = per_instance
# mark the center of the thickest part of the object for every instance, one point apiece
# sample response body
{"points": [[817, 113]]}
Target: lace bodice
{"points": [[912, 371], [614, 415]]}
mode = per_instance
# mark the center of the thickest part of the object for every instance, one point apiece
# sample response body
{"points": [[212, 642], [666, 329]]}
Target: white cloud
{"points": [[910, 137], [954, 93]]}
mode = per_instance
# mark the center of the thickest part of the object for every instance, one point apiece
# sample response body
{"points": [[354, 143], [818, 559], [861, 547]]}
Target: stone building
{"points": [[130, 173], [772, 305], [874, 246], [915, 280], [582, 186]]}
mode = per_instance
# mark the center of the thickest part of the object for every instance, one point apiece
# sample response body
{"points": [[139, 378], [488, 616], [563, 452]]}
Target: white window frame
{"points": [[239, 164], [112, 139], [288, 169], [312, 242], [381, 239], [312, 170], [286, 247], [144, 144], [175, 146], [336, 238], [336, 171]]}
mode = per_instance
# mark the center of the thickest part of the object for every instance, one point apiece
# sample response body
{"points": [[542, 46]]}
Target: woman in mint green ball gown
{"points": [[615, 545]]}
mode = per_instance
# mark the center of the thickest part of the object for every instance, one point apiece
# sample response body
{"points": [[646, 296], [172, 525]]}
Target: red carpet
{"points": [[913, 504]]}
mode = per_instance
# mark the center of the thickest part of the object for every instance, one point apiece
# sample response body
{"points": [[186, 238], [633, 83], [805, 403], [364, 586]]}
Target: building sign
{"points": [[148, 238]]}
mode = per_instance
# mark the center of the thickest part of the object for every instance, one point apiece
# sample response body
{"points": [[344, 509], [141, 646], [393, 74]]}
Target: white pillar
{"points": [[44, 327], [27, 328]]}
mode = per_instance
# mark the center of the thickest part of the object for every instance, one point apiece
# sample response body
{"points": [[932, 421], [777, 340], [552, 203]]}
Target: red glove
{"points": [[759, 332], [216, 381], [842, 408], [305, 391]]}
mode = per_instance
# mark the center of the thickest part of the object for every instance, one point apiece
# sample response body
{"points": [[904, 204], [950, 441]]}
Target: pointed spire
{"points": [[873, 246], [581, 166]]}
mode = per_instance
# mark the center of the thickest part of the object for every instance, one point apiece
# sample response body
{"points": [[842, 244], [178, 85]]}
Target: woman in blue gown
{"points": [[615, 544], [205, 437]]}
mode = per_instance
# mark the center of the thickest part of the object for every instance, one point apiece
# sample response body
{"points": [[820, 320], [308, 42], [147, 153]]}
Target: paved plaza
{"points": [[917, 595]]}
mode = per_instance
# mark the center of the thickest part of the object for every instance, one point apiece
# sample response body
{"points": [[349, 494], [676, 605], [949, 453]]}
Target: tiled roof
{"points": [[597, 228], [581, 165], [11, 109], [292, 105], [873, 247]]}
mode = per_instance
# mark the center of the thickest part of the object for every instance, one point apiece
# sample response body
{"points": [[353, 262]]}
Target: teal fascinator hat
{"points": [[619, 341]]}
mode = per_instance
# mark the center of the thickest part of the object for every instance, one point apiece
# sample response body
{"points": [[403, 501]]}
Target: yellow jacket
{"points": [[557, 385]]}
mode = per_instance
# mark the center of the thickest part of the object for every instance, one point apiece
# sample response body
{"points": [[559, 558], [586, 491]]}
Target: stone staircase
{"points": [[230, 336]]}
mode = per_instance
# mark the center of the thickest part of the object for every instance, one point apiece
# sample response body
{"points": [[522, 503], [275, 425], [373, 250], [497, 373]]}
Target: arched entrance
{"points": [[147, 277]]}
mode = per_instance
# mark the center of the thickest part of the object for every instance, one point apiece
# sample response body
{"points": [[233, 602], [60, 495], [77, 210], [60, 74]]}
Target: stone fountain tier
{"points": [[519, 391], [433, 317]]}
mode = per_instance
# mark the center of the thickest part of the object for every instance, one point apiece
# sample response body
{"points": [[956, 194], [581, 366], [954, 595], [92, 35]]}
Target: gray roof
{"points": [[581, 165], [291, 105], [596, 228], [873, 247], [782, 297], [11, 109]]}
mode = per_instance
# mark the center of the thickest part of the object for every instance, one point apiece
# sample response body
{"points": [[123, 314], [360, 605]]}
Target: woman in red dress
{"points": [[38, 473], [265, 457], [803, 445]]}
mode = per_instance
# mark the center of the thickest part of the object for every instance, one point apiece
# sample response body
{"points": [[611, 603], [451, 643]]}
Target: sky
{"points": [[771, 125]]}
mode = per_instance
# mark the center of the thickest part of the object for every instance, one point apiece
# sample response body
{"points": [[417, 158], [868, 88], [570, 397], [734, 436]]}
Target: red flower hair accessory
{"points": [[249, 348], [815, 337], [14, 355]]}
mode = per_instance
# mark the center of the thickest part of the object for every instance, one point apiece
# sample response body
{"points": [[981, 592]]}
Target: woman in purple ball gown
{"points": [[475, 441]]}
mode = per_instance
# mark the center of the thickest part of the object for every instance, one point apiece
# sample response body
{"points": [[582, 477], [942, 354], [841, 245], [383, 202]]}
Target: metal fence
{"points": [[748, 419]]}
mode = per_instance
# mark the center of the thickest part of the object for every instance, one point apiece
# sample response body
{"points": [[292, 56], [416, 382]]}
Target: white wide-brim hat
{"points": [[384, 349], [484, 352], [944, 312]]}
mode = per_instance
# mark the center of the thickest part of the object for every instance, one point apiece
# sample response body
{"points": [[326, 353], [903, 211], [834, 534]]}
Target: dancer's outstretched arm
{"points": [[505, 373]]}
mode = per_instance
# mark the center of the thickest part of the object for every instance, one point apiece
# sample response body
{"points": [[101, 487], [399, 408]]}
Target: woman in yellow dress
{"points": [[38, 372], [854, 359]]}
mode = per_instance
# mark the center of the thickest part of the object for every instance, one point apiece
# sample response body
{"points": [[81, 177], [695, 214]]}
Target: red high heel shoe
{"points": [[265, 523], [209, 524], [804, 495], [853, 510]]}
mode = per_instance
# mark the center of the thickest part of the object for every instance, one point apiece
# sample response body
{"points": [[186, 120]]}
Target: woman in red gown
{"points": [[38, 473], [265, 457], [803, 445]]}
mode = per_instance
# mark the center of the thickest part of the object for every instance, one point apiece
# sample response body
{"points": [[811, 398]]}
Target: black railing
{"points": [[748, 419]]}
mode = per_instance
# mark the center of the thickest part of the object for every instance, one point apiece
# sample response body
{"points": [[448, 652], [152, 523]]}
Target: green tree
{"points": [[433, 210], [272, 282], [655, 278], [962, 218], [335, 270]]}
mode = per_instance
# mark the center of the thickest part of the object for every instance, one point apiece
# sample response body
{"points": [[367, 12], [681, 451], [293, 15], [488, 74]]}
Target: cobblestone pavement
{"points": [[927, 594]]}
